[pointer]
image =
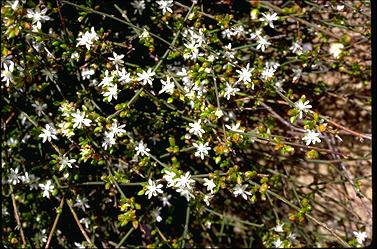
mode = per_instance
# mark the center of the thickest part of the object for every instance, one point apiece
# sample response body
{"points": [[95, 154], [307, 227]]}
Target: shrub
{"points": [[185, 123]]}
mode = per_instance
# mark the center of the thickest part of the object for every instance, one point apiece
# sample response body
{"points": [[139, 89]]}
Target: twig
{"points": [[280, 118], [125, 237], [79, 224], [185, 231], [18, 220], [55, 223]]}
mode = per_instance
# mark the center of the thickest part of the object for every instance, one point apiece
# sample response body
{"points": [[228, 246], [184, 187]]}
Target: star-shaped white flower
{"points": [[153, 189], [112, 92], [278, 243], [202, 149], [302, 107], [168, 86], [245, 74], [360, 236], [311, 137], [269, 18], [142, 149], [241, 190], [230, 91], [65, 162], [184, 181], [117, 60], [263, 43], [7, 73], [146, 77], [47, 188], [196, 128], [209, 183], [165, 5], [79, 119], [278, 228], [48, 133]]}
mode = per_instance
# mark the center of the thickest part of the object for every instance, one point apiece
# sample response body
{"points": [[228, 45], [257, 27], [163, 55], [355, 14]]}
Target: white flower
{"points": [[47, 133], [209, 184], [238, 31], [47, 188], [153, 189], [14, 177], [184, 181], [109, 140], [139, 6], [185, 192], [336, 49], [142, 149], [269, 18], [263, 43], [87, 39], [112, 92], [85, 221], [219, 113], [240, 190], [227, 33], [234, 127], [339, 7], [79, 245], [196, 128], [86, 73], [207, 198], [296, 48], [116, 129], [144, 34], [292, 237], [168, 86], [278, 243], [49, 74], [165, 5], [38, 16], [146, 77], [26, 178], [302, 107], [279, 228], [7, 73], [156, 214], [202, 149], [230, 91], [311, 137], [124, 76], [39, 108], [65, 162], [117, 59], [245, 74], [107, 79], [169, 176], [256, 34], [360, 236], [81, 203], [79, 119], [14, 4], [165, 199]]}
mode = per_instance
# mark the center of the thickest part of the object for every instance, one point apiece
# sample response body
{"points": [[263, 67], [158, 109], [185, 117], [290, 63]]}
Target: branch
{"points": [[16, 215], [59, 212], [79, 224]]}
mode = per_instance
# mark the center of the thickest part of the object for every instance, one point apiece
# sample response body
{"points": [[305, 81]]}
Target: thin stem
{"points": [[125, 237], [79, 224], [185, 231], [59, 212], [17, 216]]}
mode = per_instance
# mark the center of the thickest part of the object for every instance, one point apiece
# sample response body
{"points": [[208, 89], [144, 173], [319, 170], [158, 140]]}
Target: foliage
{"points": [[184, 123]]}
